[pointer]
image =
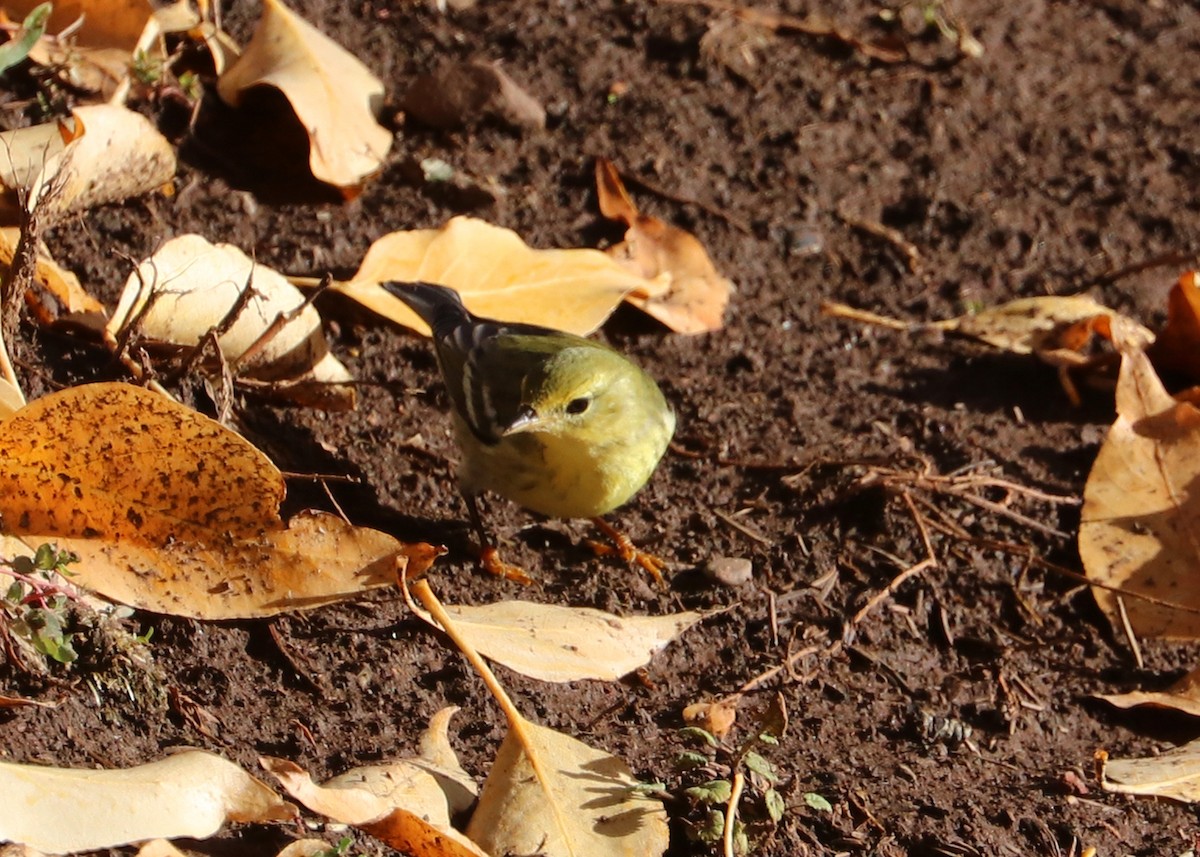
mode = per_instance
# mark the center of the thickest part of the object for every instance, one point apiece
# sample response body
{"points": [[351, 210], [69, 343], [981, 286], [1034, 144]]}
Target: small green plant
{"points": [[342, 849], [36, 606], [712, 775]]}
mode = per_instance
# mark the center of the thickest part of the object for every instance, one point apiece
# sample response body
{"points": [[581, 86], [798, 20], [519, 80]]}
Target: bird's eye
{"points": [[578, 406]]}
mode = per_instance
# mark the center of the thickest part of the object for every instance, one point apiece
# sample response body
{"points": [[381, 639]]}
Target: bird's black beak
{"points": [[526, 419]]}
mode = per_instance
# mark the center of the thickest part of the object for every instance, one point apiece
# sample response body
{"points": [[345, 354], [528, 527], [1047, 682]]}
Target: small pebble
{"points": [[729, 570]]}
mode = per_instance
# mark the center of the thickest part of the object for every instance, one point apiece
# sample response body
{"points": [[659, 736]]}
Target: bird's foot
{"points": [[489, 559], [623, 547]]}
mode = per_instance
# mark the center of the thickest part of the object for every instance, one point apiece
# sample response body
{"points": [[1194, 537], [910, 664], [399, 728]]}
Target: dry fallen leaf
{"points": [[60, 282], [555, 643], [105, 153], [1177, 347], [1055, 329], [192, 793], [1140, 523], [437, 757], [171, 512], [696, 298], [550, 794], [334, 95], [399, 803], [1174, 774], [189, 286], [461, 92], [498, 276], [716, 717], [1183, 695], [165, 848], [97, 41]]}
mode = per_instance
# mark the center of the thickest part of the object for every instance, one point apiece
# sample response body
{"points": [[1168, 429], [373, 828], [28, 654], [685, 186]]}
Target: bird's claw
{"points": [[624, 547], [489, 559]]}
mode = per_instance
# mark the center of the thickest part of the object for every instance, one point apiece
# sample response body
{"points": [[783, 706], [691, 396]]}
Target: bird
{"points": [[561, 425]]}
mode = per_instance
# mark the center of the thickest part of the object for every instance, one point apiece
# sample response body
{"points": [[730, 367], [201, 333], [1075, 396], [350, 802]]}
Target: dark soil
{"points": [[1064, 159]]}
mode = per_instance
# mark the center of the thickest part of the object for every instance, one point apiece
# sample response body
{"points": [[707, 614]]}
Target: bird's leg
{"points": [[489, 554], [628, 551]]}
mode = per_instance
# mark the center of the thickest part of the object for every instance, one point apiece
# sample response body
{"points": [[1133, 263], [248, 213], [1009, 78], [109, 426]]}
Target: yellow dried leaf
{"points": [[1140, 522], [550, 642], [398, 803], [1174, 774], [104, 36], [696, 298], [498, 276], [1025, 326], [170, 511], [188, 288], [334, 95], [193, 793], [550, 794], [1182, 696], [61, 283], [112, 154]]}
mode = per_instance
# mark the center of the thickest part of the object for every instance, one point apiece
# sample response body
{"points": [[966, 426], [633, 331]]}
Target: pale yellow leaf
{"points": [[1027, 326], [334, 95], [305, 848], [498, 276], [1174, 774], [113, 154], [61, 283], [571, 799], [437, 756], [164, 848], [192, 794], [695, 300], [550, 642], [170, 511], [11, 399], [1182, 696], [399, 803], [189, 286], [98, 41], [1140, 522]]}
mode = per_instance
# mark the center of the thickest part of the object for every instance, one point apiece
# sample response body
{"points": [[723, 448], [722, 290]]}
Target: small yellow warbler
{"points": [[557, 423]]}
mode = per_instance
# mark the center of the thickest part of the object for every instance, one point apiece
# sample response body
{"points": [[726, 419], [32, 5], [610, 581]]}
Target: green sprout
{"points": [[713, 775]]}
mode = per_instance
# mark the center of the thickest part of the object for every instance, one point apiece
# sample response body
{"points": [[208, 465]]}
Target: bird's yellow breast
{"points": [[568, 476]]}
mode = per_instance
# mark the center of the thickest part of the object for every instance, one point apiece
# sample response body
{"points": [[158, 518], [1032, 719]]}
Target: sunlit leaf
{"points": [[1140, 522], [697, 294], [1183, 696], [497, 275], [192, 794], [172, 512], [334, 95], [189, 287], [555, 643], [1173, 774]]}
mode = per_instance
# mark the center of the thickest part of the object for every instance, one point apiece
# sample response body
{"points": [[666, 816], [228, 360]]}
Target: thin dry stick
{"points": [[280, 321], [739, 783], [1127, 627], [516, 721], [907, 249]]}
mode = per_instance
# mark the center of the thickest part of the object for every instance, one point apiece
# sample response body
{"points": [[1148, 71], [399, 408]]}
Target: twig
{"points": [[1162, 260], [647, 185], [1127, 627], [739, 783], [892, 236], [280, 321], [742, 528]]}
